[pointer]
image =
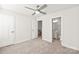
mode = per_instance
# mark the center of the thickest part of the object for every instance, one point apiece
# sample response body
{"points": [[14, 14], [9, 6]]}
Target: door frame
{"points": [[60, 27], [42, 26]]}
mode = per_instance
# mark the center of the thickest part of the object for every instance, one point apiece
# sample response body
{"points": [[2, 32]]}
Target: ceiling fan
{"points": [[38, 9]]}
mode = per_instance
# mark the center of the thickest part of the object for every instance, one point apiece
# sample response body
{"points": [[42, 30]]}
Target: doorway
{"points": [[40, 29], [56, 28]]}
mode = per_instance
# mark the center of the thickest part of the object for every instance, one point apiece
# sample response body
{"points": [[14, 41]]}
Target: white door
{"points": [[34, 29], [11, 29], [8, 30]]}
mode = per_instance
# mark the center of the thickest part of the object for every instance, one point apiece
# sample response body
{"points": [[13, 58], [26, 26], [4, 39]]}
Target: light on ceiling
{"points": [[36, 12], [55, 21]]}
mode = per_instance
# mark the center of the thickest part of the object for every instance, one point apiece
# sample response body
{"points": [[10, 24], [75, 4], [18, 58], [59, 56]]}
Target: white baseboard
{"points": [[68, 46], [21, 41], [4, 45]]}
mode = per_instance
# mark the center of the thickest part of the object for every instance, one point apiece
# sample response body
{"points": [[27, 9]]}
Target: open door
{"points": [[56, 28], [40, 29]]}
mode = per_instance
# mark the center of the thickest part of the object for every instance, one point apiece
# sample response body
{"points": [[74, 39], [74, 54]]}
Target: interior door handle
{"points": [[12, 31]]}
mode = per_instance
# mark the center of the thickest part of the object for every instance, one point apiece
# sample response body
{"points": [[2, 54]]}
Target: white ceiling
{"points": [[50, 9]]}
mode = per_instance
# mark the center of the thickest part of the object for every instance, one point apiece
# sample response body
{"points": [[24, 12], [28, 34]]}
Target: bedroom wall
{"points": [[34, 28], [69, 27]]}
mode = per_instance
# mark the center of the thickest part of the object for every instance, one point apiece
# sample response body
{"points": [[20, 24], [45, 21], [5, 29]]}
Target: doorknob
{"points": [[12, 31]]}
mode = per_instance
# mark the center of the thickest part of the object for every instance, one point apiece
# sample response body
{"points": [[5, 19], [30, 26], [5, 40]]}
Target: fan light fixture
{"points": [[36, 12], [38, 9]]}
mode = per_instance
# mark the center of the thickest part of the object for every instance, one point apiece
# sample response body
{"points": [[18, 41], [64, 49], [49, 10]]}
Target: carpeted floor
{"points": [[37, 46]]}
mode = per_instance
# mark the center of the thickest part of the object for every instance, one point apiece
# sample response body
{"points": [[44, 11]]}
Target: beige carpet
{"points": [[37, 46]]}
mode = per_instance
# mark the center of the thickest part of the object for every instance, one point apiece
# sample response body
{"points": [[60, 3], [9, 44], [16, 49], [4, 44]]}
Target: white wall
{"points": [[23, 28], [22, 23], [69, 27], [34, 28]]}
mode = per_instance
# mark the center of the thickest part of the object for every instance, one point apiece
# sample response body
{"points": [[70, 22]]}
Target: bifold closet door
{"points": [[7, 35]]}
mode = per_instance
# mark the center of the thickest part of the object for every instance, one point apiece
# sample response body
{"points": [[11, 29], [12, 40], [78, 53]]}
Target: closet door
{"points": [[7, 30]]}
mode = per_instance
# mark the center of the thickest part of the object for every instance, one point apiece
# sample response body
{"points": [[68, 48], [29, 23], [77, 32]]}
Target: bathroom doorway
{"points": [[40, 29], [56, 28]]}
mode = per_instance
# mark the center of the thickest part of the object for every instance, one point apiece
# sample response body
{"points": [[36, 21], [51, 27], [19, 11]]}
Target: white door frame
{"points": [[37, 25], [61, 26]]}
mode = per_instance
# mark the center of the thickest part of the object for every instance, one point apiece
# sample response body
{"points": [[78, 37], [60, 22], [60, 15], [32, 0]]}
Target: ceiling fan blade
{"points": [[34, 13], [30, 8], [42, 7], [42, 12]]}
